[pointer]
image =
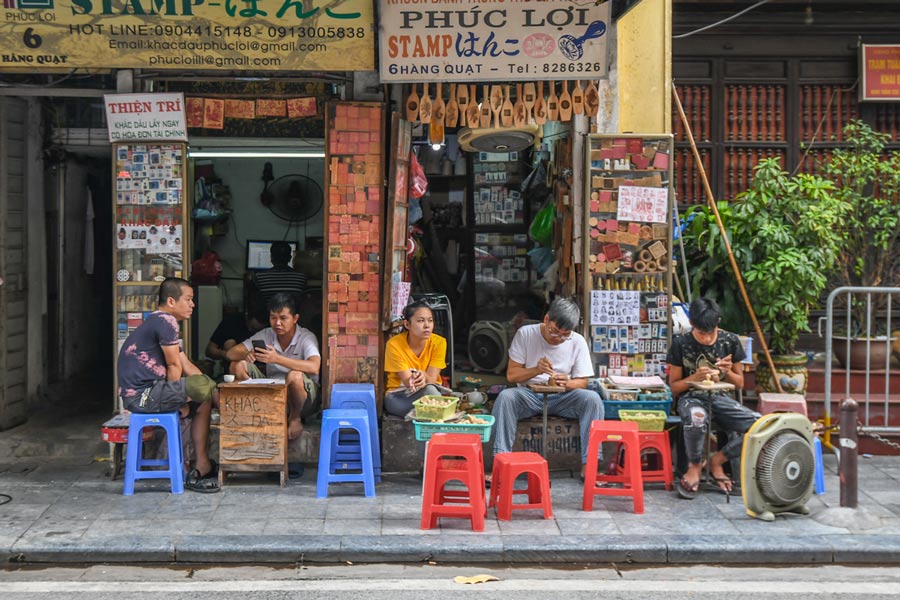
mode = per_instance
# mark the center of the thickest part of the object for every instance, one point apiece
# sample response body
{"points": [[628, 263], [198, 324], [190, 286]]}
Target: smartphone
{"points": [[258, 345]]}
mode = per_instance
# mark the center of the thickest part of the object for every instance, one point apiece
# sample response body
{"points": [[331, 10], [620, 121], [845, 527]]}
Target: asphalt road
{"points": [[426, 582]]}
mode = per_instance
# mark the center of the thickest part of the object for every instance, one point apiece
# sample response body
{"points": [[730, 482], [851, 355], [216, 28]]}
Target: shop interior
{"points": [[472, 251], [245, 198]]}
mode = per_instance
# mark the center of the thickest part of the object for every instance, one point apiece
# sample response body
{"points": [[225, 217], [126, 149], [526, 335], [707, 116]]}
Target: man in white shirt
{"points": [[549, 353], [285, 352]]}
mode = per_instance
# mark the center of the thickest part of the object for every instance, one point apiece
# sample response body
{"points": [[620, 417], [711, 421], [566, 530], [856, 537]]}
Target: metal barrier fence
{"points": [[879, 344]]}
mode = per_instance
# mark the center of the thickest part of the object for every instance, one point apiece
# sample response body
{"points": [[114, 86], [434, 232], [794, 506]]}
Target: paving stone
{"points": [[232, 526], [406, 527], [530, 522], [569, 527], [352, 526], [287, 525]]}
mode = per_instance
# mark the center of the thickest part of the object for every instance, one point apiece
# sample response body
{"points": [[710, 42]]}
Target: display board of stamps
{"points": [[628, 247], [353, 241], [149, 237]]}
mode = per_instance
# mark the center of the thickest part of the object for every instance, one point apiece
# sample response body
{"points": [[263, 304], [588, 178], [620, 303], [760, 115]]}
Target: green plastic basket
{"points": [[654, 420], [436, 413], [426, 429]]}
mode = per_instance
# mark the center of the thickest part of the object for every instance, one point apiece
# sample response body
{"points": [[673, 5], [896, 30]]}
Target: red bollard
{"points": [[849, 453]]}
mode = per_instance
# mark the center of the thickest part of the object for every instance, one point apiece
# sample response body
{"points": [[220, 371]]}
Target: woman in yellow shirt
{"points": [[413, 361]]}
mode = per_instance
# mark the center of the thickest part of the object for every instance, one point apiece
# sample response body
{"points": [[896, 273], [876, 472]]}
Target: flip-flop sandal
{"points": [[213, 470], [685, 491], [196, 483], [720, 480]]}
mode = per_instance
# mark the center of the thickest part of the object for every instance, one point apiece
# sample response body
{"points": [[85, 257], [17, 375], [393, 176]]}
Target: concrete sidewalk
{"points": [[65, 509]]}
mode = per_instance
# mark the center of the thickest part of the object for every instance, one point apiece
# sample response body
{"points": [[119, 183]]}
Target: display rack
{"points": [[149, 235], [628, 243], [499, 217]]}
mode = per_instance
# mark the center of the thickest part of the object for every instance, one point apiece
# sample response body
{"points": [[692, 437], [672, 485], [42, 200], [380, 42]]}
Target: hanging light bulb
{"points": [[436, 147]]}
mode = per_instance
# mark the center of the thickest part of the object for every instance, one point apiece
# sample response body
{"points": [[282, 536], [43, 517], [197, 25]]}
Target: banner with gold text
{"points": [[238, 35], [492, 40]]}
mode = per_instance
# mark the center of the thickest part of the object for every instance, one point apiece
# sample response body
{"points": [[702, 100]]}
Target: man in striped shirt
{"points": [[281, 278]]}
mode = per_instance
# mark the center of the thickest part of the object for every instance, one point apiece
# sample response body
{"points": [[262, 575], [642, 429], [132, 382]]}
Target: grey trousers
{"points": [[516, 403], [727, 413]]}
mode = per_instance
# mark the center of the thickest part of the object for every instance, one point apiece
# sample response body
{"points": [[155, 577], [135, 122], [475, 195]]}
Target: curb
{"points": [[292, 549]]}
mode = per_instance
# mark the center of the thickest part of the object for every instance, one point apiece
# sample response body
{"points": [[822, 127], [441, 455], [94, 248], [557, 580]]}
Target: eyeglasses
{"points": [[556, 333]]}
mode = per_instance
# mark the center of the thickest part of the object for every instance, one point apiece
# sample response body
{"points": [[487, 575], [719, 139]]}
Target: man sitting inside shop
{"points": [[281, 277], [708, 354], [548, 353], [284, 352], [155, 376], [232, 330]]}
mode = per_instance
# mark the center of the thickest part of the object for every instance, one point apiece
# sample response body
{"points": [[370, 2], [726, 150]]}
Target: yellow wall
{"points": [[645, 68]]}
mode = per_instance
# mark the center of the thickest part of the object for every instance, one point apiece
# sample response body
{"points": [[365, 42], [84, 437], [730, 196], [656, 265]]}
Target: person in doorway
{"points": [[232, 329], [281, 278], [548, 353], [155, 376], [707, 353], [286, 352], [413, 361]]}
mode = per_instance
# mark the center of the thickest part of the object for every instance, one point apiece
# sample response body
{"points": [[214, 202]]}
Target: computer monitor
{"points": [[259, 254]]}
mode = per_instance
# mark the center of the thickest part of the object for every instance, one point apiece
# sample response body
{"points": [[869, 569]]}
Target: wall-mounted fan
{"points": [[294, 198]]}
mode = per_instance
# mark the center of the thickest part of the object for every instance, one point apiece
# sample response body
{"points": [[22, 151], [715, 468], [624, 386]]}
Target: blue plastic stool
{"points": [[820, 467], [345, 453], [333, 421], [134, 460]]}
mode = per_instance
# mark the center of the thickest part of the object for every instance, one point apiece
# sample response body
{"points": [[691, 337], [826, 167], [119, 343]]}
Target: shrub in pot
{"points": [[790, 228], [867, 179], [708, 269]]}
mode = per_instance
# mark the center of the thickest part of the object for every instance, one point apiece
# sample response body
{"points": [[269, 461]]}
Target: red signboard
{"points": [[880, 70]]}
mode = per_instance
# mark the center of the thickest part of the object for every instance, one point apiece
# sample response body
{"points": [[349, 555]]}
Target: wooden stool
{"points": [[507, 468], [659, 442], [467, 468], [620, 432]]}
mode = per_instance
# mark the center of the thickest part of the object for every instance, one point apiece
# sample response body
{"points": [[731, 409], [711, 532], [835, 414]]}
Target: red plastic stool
{"points": [[657, 441], [619, 432], [507, 468], [467, 467]]}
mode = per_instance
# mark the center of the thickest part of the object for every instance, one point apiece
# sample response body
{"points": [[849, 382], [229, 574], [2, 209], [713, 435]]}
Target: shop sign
{"points": [[492, 40], [145, 117], [283, 35], [880, 70]]}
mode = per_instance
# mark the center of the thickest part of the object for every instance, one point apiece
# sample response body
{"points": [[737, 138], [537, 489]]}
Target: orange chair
{"points": [[658, 441], [619, 432], [454, 457], [507, 468]]}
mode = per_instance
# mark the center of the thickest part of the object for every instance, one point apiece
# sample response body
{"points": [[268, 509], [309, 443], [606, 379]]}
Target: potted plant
{"points": [[789, 228], [867, 179], [708, 269]]}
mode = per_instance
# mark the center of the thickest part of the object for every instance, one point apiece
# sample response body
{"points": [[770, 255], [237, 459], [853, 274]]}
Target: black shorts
{"points": [[163, 396]]}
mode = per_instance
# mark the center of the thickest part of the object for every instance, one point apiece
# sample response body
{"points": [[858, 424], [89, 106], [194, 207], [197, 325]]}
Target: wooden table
{"points": [[544, 391], [253, 428]]}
